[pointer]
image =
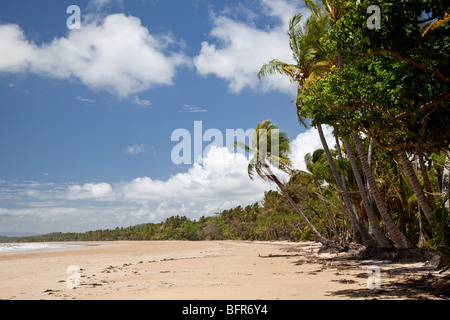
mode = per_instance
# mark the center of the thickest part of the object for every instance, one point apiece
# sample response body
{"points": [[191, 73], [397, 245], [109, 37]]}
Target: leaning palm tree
{"points": [[437, 23], [306, 48], [399, 239], [270, 148], [311, 62], [336, 10], [333, 10], [311, 160], [307, 51]]}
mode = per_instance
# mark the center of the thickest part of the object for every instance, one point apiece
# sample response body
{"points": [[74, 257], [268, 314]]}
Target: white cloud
{"points": [[192, 109], [142, 102], [89, 191], [284, 10], [100, 4], [308, 142], [85, 100], [221, 177], [116, 54], [220, 182], [240, 49], [135, 149], [16, 53]]}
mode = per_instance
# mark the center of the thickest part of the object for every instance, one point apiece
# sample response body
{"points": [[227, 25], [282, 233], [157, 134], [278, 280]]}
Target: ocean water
{"points": [[24, 247]]}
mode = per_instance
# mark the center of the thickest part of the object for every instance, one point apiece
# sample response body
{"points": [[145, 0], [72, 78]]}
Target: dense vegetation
{"points": [[385, 92], [272, 219]]}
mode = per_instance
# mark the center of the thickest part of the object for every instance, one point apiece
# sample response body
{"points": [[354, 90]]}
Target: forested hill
{"points": [[4, 239], [253, 222]]}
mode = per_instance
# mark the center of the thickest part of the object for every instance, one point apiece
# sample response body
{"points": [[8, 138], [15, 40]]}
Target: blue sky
{"points": [[86, 116]]}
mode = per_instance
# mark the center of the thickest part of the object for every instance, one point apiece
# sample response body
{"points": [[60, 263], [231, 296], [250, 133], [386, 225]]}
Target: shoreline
{"points": [[22, 247], [208, 270]]}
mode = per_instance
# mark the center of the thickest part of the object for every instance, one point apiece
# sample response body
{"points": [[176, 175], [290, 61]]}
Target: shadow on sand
{"points": [[407, 285]]}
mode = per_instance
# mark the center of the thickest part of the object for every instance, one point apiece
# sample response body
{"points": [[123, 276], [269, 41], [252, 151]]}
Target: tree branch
{"points": [[407, 145], [421, 66], [435, 102]]}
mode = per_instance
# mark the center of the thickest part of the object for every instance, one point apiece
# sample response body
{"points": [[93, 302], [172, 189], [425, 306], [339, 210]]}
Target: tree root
{"points": [[412, 255], [376, 253], [332, 247]]}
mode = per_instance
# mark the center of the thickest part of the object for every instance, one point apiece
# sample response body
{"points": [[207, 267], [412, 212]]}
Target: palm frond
{"points": [[258, 168], [277, 67], [334, 9], [251, 168], [268, 144], [437, 23], [242, 145], [294, 34], [283, 164], [315, 7]]}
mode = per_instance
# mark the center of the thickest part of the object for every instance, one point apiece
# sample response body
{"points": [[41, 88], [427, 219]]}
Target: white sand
{"points": [[209, 270]]}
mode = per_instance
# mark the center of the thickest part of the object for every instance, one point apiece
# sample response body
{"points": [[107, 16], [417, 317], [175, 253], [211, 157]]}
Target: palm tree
{"points": [[399, 239], [437, 23], [311, 61], [307, 51], [382, 241], [270, 148], [445, 186], [355, 221], [310, 161], [334, 10], [417, 188]]}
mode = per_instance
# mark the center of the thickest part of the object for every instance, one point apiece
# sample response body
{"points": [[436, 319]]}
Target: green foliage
{"points": [[269, 145], [441, 240], [389, 84], [271, 219], [393, 84]]}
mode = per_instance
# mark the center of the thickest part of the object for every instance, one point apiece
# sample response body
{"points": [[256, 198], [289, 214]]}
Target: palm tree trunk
{"points": [[369, 161], [426, 182], [356, 223], [399, 239], [374, 226], [338, 148], [333, 225], [445, 186], [415, 185], [282, 188], [356, 234]]}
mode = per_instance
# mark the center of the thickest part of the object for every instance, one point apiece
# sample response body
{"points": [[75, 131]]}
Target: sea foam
{"points": [[24, 247]]}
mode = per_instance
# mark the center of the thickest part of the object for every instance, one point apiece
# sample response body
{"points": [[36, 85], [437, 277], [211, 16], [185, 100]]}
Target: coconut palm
{"points": [[270, 148], [307, 51], [311, 160], [311, 61], [334, 10], [374, 227], [354, 219], [437, 23], [424, 203], [399, 239]]}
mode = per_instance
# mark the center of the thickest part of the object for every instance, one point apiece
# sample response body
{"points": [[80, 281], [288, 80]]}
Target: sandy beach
{"points": [[209, 270]]}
